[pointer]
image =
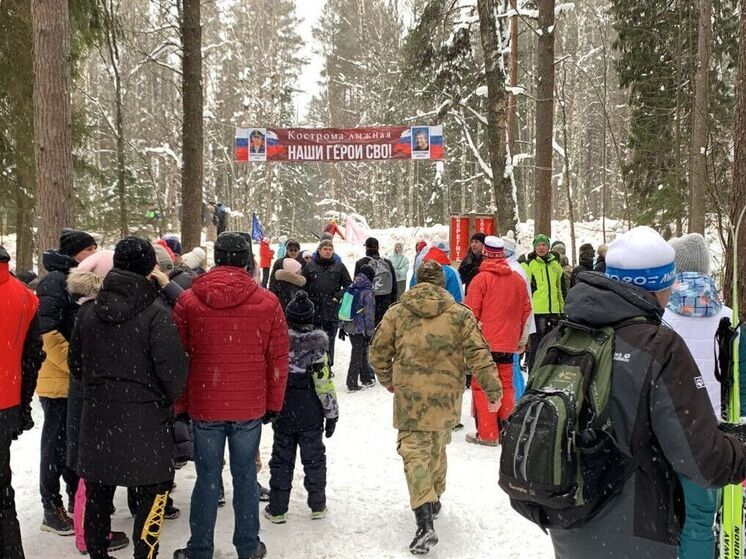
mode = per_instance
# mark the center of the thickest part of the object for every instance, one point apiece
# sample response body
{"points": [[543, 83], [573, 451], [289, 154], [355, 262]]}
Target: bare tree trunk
{"points": [[192, 128], [568, 184], [698, 152], [497, 108], [544, 119], [52, 121], [24, 224], [112, 46], [513, 99], [739, 175]]}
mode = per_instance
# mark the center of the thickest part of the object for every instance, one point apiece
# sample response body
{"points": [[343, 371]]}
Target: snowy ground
{"points": [[368, 502]]}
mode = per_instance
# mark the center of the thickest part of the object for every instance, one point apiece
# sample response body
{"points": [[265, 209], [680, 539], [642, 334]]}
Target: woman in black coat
{"points": [[326, 281], [288, 281], [128, 354]]}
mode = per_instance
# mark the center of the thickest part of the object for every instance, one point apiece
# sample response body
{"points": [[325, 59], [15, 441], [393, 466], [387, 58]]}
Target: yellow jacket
{"points": [[54, 375]]}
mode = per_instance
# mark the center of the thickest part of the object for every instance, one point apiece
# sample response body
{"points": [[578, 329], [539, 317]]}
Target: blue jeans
{"points": [[209, 449], [697, 540]]}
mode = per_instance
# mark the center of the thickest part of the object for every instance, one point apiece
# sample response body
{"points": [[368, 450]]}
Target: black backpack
{"points": [[560, 460]]}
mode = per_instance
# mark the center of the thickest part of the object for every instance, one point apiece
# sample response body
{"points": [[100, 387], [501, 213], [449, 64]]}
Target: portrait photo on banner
{"points": [[257, 144], [420, 138]]}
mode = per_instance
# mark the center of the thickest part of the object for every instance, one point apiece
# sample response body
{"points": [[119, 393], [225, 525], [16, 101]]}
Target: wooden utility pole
{"points": [[52, 121]]}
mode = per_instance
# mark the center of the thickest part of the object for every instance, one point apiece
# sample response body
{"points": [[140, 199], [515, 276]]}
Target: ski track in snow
{"points": [[369, 514]]}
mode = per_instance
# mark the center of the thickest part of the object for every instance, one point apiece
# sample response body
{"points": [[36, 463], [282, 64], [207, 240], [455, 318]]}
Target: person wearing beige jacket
{"points": [[57, 310]]}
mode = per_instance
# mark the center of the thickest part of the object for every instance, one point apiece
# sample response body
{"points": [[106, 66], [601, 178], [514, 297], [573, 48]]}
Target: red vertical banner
{"points": [[484, 224], [459, 237]]}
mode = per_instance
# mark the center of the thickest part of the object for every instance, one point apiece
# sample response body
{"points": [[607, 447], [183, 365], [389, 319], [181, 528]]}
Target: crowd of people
{"points": [[144, 359]]}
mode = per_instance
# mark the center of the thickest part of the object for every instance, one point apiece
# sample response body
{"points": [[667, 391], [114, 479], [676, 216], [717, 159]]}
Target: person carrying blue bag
{"points": [[357, 315]]}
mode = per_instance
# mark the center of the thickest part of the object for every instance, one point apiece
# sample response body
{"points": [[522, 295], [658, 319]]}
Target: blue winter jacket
{"points": [[364, 321], [453, 283]]}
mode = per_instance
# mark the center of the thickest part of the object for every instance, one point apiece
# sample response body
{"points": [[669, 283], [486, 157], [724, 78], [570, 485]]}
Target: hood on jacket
{"points": [[123, 295], [55, 261], [362, 281], [599, 301], [290, 277], [497, 266], [306, 347], [695, 294], [84, 284], [551, 255], [224, 287], [438, 255], [427, 300]]}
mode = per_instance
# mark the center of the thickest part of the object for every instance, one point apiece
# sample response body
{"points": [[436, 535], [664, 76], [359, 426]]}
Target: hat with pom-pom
{"points": [[300, 309], [643, 258], [195, 258], [509, 244]]}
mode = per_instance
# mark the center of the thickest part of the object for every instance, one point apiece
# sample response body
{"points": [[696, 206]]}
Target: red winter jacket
{"points": [[265, 255], [497, 295], [18, 306], [237, 338]]}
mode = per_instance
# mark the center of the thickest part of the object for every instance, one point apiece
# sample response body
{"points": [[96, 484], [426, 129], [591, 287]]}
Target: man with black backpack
{"points": [[384, 283], [614, 409]]}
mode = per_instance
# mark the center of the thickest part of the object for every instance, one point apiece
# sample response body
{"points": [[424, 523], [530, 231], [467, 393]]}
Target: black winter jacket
{"points": [[600, 265], [278, 266], [129, 355], [585, 264], [57, 308], [469, 268], [286, 285], [302, 410], [326, 280], [666, 424], [383, 302], [182, 277]]}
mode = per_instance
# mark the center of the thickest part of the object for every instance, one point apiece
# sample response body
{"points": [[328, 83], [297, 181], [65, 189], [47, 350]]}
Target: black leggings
{"points": [[150, 504]]}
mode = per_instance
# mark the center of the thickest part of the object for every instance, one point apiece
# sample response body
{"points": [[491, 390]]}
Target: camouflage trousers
{"points": [[425, 464]]}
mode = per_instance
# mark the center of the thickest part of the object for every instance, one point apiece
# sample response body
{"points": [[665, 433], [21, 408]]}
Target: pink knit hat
{"points": [[99, 263], [291, 265]]}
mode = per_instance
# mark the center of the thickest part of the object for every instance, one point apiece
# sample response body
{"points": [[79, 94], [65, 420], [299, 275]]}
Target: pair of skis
{"points": [[731, 514]]}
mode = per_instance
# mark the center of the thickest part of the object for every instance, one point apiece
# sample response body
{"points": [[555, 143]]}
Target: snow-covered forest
{"points": [[581, 110]]}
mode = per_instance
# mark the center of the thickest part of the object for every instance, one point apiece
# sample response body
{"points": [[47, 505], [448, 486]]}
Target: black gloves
{"points": [[342, 334], [27, 422], [331, 424], [270, 416], [738, 431]]}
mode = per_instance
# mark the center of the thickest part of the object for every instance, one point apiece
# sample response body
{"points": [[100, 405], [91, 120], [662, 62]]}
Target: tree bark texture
{"points": [[700, 134], [513, 99], [52, 121], [192, 128], [497, 127], [739, 174], [24, 221], [544, 119]]}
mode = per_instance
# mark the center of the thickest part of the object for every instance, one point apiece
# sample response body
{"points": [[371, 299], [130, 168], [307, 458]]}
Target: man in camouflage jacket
{"points": [[421, 351]]}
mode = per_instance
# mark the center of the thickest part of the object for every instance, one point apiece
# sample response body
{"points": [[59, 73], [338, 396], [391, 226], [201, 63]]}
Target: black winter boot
{"points": [[425, 537]]}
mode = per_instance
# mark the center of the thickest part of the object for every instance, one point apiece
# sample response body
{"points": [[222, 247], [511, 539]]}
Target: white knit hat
{"points": [[641, 257], [692, 254], [509, 245], [195, 258]]}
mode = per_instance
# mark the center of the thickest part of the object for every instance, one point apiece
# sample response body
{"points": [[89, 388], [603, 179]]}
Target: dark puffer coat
{"points": [[286, 285], [585, 263], [57, 308], [469, 268], [326, 281], [128, 353], [302, 410], [666, 424]]}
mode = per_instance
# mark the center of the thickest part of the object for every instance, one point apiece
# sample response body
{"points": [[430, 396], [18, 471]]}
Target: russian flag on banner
{"points": [[242, 144], [274, 149], [437, 150], [403, 146]]}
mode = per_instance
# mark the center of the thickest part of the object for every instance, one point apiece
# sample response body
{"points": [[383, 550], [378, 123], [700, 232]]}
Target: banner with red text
{"points": [[332, 145]]}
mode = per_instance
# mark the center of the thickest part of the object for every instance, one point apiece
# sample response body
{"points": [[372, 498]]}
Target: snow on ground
{"points": [[369, 514]]}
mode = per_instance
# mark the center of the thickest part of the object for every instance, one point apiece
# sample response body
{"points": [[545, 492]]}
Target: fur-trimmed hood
{"points": [[290, 277], [83, 284], [306, 347]]}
